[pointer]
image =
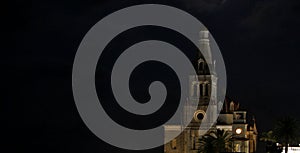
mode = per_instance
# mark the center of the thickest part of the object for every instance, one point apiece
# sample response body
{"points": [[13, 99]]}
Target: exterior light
{"points": [[238, 131]]}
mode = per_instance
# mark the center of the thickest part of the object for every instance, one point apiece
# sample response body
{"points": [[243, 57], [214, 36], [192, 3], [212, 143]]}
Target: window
{"points": [[173, 144], [206, 89], [195, 89], [237, 147], [201, 65], [201, 89]]}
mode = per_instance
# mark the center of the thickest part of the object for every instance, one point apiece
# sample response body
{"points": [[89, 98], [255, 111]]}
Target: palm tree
{"points": [[269, 139], [222, 140], [206, 144], [215, 142], [286, 131]]}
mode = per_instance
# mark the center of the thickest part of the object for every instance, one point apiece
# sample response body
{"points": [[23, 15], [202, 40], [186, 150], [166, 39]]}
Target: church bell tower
{"points": [[203, 89]]}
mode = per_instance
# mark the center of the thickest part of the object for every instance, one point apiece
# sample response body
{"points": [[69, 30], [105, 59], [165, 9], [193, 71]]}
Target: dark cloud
{"points": [[273, 19], [204, 6]]}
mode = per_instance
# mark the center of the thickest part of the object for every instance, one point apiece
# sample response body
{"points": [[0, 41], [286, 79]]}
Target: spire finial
{"points": [[254, 125]]}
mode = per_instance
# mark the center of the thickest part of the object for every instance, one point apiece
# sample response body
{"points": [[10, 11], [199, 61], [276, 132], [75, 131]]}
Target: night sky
{"points": [[259, 41]]}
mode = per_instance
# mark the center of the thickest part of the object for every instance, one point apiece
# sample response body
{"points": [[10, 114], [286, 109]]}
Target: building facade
{"points": [[203, 90]]}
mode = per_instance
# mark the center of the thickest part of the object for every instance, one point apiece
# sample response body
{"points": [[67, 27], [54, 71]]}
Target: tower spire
{"points": [[204, 46]]}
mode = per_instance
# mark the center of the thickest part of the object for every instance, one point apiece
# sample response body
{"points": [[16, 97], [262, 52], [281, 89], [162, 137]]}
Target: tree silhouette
{"points": [[206, 144], [270, 140], [268, 137], [286, 131], [215, 142]]}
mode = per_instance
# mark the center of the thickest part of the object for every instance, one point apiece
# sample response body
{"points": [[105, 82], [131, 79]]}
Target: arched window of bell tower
{"points": [[195, 89], [201, 65], [201, 89], [206, 89]]}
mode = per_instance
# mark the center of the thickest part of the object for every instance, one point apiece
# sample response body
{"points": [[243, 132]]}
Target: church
{"points": [[203, 89]]}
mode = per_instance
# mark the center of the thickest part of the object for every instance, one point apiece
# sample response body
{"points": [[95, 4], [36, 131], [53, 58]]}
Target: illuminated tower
{"points": [[239, 132], [203, 88]]}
